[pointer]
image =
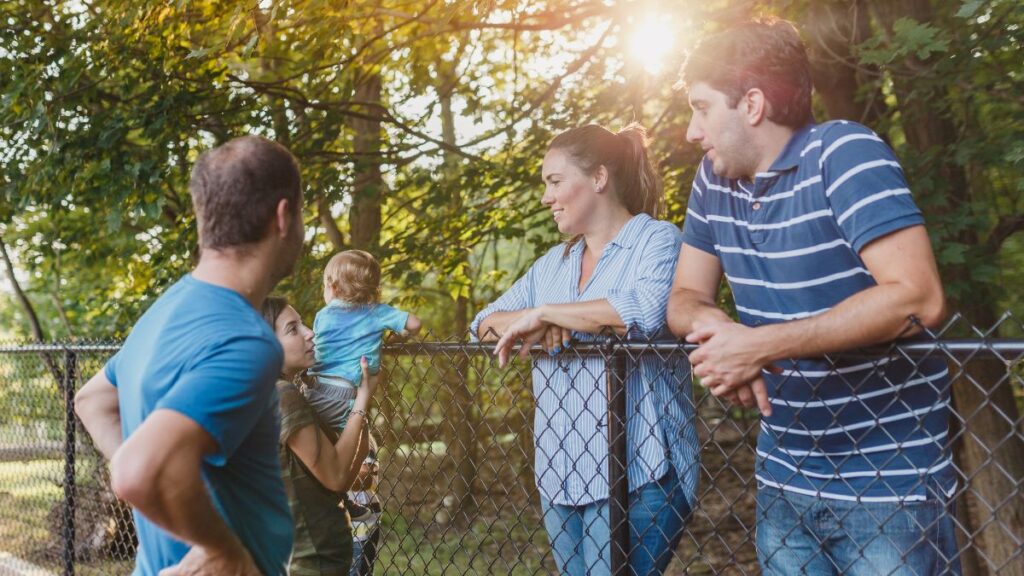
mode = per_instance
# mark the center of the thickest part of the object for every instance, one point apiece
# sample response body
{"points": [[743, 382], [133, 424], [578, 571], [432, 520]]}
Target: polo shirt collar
{"points": [[790, 156]]}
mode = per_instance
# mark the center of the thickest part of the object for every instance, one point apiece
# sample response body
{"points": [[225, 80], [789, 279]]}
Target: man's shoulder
{"points": [[836, 132], [204, 319]]}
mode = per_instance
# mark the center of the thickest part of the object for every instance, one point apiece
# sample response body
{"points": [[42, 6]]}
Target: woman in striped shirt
{"points": [[614, 273]]}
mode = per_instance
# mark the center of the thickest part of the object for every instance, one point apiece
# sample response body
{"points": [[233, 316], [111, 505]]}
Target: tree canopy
{"points": [[420, 127]]}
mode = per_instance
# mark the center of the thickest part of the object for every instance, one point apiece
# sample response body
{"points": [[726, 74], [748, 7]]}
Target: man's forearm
{"points": [[688, 309], [106, 435], [175, 498], [873, 316]]}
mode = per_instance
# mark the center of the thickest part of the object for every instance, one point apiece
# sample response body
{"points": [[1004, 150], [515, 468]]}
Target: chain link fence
{"points": [[458, 472]]}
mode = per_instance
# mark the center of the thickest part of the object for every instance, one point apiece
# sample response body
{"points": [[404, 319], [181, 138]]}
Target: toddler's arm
{"points": [[412, 325]]}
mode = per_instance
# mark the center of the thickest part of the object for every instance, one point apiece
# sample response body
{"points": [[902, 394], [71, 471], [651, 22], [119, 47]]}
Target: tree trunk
{"points": [[993, 452], [368, 184], [462, 443], [33, 319], [832, 29]]}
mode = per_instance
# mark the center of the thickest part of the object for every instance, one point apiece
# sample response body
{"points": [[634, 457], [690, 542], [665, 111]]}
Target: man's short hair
{"points": [[236, 188], [766, 54]]}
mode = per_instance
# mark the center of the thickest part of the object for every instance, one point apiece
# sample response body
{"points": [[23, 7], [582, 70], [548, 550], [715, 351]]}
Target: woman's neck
{"points": [[606, 229], [289, 375]]}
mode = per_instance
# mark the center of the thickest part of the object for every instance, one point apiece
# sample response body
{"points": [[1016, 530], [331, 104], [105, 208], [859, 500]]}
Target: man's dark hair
{"points": [[765, 54], [236, 188]]}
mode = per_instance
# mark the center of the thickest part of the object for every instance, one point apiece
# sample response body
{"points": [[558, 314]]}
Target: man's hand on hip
{"points": [[201, 561]]}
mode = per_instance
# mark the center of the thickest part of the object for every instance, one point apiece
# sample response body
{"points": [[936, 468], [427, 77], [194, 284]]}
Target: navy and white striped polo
{"points": [[789, 242]]}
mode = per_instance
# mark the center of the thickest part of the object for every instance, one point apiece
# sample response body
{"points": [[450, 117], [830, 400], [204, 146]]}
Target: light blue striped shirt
{"points": [[570, 427]]}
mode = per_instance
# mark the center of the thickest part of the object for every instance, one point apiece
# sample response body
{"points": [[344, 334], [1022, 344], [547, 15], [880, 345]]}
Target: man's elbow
{"points": [[677, 324], [87, 407], [933, 311], [131, 479], [82, 402]]}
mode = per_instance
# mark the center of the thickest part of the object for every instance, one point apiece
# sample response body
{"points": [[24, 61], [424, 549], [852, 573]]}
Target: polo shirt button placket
{"points": [[761, 186]]}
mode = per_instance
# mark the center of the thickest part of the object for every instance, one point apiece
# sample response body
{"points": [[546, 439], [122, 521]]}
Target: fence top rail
{"points": [[1007, 348], [52, 347]]}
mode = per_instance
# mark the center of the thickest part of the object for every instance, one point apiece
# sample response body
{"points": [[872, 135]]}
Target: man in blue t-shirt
{"points": [[815, 230], [187, 410]]}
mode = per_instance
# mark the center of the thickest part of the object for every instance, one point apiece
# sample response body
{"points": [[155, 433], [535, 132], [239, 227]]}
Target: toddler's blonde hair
{"points": [[354, 276]]}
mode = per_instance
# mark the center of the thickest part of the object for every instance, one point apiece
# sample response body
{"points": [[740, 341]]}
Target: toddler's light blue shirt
{"points": [[343, 333]]}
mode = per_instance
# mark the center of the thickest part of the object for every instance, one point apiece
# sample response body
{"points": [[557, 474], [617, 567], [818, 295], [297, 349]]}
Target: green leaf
{"points": [[967, 9]]}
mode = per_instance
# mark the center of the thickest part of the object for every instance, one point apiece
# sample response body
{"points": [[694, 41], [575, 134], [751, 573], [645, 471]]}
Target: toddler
{"points": [[349, 327]]}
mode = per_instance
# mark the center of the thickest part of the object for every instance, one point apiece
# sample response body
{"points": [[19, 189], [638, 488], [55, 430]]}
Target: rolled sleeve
{"points": [[642, 305], [518, 297]]}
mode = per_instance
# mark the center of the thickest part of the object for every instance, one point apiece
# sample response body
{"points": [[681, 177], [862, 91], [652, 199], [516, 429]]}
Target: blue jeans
{"points": [[364, 553], [799, 534], [581, 539]]}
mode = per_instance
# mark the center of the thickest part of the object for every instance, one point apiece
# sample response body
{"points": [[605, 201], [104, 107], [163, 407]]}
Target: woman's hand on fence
{"points": [[528, 328], [556, 339]]}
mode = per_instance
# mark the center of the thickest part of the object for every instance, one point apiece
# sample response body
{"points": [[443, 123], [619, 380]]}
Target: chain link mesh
{"points": [[457, 478]]}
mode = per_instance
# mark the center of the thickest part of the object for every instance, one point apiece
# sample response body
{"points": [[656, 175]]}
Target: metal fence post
{"points": [[70, 374], [618, 482]]}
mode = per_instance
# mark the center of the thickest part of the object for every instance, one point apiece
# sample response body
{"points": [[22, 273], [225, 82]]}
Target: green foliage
{"points": [[105, 105]]}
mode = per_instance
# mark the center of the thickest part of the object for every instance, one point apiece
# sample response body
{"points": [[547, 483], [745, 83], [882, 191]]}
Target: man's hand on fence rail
{"points": [[729, 360]]}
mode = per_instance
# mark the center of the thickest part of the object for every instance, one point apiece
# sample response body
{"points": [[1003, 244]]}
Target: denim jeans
{"points": [[799, 534], [581, 539], [364, 553]]}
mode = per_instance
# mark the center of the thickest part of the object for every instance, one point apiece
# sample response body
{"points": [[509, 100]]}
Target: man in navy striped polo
{"points": [[815, 230]]}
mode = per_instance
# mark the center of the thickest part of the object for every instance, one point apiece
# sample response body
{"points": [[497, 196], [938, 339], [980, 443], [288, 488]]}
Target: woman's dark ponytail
{"points": [[639, 187]]}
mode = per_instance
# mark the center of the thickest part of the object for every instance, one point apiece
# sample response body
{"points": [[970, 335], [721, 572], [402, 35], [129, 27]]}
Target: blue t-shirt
{"points": [[204, 352], [789, 243], [343, 333]]}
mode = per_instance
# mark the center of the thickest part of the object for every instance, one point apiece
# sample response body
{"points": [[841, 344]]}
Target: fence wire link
{"points": [[458, 464]]}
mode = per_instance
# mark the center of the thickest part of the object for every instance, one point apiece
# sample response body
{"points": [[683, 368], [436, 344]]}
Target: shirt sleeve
{"points": [[319, 320], [391, 318], [110, 368], [696, 230], [518, 297], [642, 303], [227, 391], [864, 185], [296, 413]]}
